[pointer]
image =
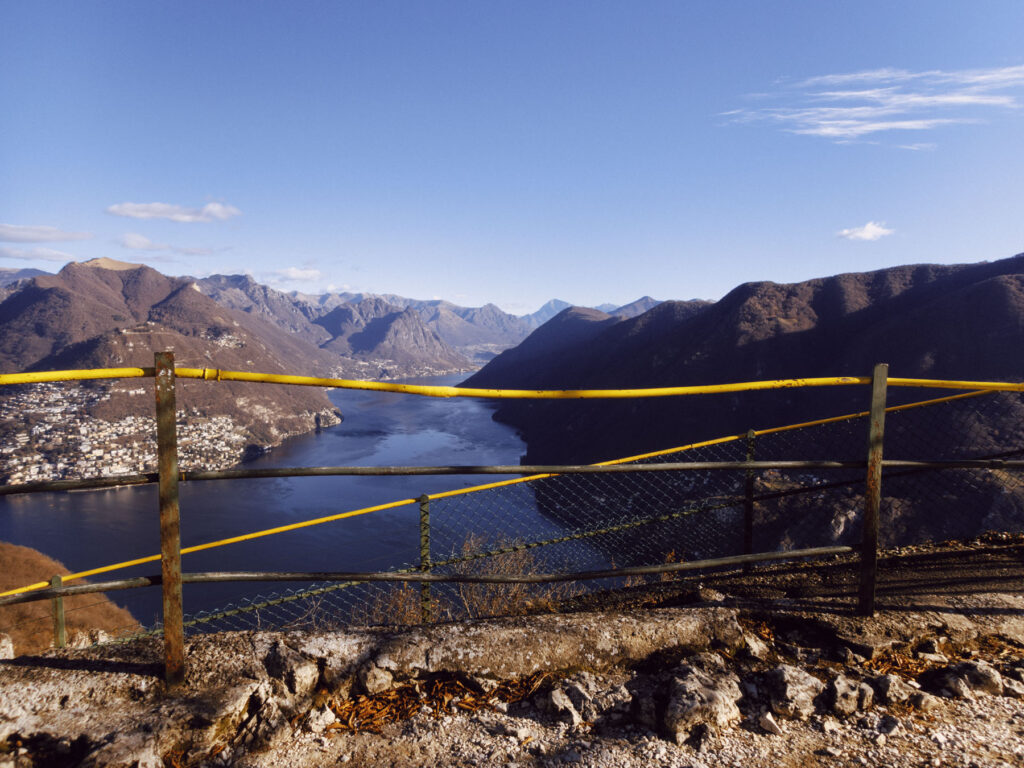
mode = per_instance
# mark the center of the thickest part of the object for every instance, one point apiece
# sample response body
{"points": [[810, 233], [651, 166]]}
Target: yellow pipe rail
{"points": [[218, 374], [475, 489], [39, 377]]}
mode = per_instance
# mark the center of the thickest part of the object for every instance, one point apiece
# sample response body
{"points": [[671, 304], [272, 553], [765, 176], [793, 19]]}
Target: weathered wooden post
{"points": [[873, 492], [426, 614], [748, 500], [170, 527], [60, 636]]}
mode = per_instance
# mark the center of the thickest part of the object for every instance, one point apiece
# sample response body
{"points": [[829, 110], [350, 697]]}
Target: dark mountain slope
{"points": [[964, 321], [563, 337], [8, 275]]}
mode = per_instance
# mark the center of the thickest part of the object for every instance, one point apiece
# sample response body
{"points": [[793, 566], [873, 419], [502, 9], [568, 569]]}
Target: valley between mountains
{"points": [[938, 321], [106, 313]]}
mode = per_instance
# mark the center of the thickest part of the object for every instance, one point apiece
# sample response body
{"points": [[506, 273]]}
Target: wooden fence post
{"points": [[60, 636], [873, 492], [748, 500], [426, 612], [170, 527]]}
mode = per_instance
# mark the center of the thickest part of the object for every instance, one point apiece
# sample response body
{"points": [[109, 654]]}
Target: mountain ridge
{"points": [[938, 321]]}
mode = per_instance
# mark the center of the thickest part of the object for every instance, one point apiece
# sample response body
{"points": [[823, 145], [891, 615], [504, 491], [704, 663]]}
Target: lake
{"points": [[89, 529]]}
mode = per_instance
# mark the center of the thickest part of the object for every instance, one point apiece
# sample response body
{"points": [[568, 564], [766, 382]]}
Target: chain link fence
{"points": [[580, 522]]}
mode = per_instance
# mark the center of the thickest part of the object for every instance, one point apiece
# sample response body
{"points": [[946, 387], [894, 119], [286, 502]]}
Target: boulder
{"points": [[891, 689], [969, 677], [700, 702], [843, 696], [793, 691]]}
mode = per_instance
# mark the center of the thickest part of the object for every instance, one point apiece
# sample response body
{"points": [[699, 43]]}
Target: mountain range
{"points": [[106, 313], [935, 321]]}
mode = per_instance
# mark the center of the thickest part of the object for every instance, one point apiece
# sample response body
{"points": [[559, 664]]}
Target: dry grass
{"points": [[30, 625], [473, 601], [396, 604], [399, 603]]}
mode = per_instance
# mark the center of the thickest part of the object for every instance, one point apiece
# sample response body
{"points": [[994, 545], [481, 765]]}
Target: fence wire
{"points": [[593, 521]]}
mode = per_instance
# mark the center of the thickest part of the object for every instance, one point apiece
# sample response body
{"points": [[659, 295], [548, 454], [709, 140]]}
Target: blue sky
{"points": [[511, 152]]}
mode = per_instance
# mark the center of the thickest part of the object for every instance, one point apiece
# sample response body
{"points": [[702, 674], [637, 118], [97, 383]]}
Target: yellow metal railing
{"points": [[217, 374], [205, 373]]}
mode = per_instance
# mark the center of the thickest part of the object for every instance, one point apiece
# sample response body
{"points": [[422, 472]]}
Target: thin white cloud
{"points": [[17, 233], [873, 230], [854, 129], [137, 242], [847, 107], [34, 254], [294, 275], [179, 213]]}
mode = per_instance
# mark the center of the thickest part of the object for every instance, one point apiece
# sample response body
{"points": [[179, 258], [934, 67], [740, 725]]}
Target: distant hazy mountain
{"points": [[545, 313], [370, 330], [8, 275], [963, 321], [476, 334], [637, 307]]}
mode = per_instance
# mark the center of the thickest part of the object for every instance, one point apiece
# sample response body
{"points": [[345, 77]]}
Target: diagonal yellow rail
{"points": [[474, 489]]}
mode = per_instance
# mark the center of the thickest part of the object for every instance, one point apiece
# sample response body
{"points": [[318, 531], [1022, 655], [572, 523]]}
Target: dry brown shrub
{"points": [[30, 625], [472, 601], [389, 604], [399, 604]]}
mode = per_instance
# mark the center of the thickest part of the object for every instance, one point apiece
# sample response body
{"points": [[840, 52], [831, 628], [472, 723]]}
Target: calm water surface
{"points": [[85, 530]]}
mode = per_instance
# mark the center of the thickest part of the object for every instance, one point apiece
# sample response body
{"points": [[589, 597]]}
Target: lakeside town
{"points": [[48, 433]]}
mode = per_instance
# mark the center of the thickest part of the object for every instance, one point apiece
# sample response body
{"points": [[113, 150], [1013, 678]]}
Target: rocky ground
{"points": [[678, 674]]}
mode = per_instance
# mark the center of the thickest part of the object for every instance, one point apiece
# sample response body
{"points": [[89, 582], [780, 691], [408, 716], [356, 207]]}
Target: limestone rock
{"points": [[793, 691], [698, 698], [843, 696], [318, 719], [560, 704], [6, 647], [1013, 688], [298, 672], [891, 689], [374, 679], [865, 696], [756, 647], [970, 677], [768, 724]]}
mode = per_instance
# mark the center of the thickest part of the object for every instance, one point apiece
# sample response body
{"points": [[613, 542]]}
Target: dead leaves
{"points": [[437, 696]]}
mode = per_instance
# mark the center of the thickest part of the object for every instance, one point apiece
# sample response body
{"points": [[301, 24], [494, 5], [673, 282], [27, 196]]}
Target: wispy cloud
{"points": [[847, 107], [141, 243], [179, 213], [137, 242], [34, 254], [873, 230], [294, 275], [17, 233]]}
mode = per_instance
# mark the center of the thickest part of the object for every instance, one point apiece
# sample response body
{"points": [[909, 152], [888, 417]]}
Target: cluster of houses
{"points": [[47, 433]]}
